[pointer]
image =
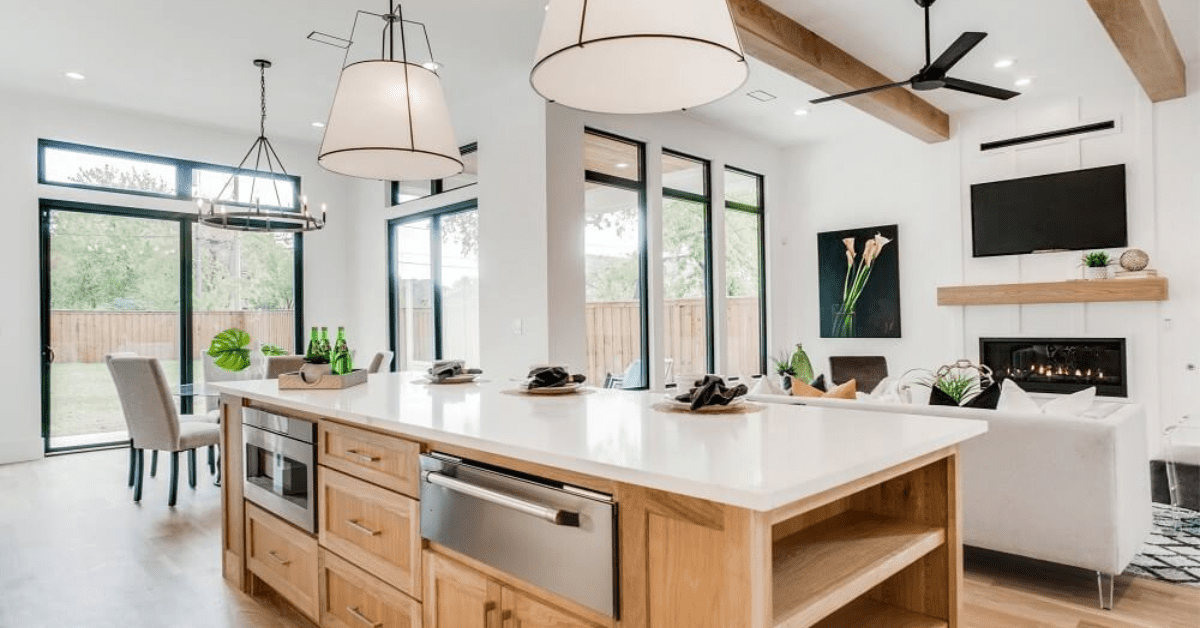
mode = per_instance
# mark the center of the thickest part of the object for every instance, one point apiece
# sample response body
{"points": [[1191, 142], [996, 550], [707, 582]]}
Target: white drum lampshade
{"points": [[638, 56], [389, 121]]}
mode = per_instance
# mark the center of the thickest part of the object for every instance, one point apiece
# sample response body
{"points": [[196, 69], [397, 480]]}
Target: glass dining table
{"points": [[196, 391]]}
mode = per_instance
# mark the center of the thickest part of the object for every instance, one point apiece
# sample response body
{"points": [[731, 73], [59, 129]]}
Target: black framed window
{"points": [[745, 273], [433, 285], [688, 342], [616, 263], [109, 170], [405, 191]]}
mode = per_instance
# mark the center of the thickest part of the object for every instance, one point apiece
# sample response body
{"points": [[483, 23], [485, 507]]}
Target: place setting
{"points": [[710, 395], [552, 381], [449, 372]]}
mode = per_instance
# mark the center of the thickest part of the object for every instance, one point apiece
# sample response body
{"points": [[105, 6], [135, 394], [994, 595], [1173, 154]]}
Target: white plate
{"points": [[465, 378], [687, 405], [565, 389]]}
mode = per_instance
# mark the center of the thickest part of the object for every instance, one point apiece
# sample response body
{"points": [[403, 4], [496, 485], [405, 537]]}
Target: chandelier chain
{"points": [[262, 85]]}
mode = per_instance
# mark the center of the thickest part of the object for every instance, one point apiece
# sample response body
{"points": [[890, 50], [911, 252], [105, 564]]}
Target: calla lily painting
{"points": [[860, 283]]}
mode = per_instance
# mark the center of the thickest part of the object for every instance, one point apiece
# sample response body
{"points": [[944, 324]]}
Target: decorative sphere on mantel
{"points": [[1134, 260]]}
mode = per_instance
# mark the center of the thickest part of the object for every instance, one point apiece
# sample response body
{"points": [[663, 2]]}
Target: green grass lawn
{"points": [[83, 398]]}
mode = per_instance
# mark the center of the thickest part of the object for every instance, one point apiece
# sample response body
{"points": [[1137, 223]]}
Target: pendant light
{"points": [[389, 118], [638, 56], [222, 214]]}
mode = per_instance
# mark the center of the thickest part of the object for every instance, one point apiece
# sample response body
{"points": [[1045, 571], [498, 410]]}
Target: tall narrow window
{"points": [[745, 309], [688, 346], [615, 264], [434, 258]]}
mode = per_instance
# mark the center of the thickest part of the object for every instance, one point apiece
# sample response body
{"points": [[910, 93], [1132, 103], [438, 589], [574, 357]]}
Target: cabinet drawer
{"points": [[374, 528], [283, 557], [352, 598], [384, 460]]}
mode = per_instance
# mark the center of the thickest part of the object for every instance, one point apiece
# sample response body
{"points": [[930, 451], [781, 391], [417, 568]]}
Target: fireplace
{"points": [[1059, 365]]}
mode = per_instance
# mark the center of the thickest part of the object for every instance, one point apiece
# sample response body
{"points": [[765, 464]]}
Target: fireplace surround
{"points": [[1059, 365]]}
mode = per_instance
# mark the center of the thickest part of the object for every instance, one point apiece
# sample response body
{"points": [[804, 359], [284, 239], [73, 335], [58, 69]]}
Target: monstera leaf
{"points": [[230, 350], [273, 350]]}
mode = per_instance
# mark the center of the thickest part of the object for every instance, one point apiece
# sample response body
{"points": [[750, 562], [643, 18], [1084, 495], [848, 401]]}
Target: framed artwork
{"points": [[859, 282]]}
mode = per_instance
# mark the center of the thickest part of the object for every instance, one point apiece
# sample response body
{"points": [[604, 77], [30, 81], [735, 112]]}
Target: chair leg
{"points": [[212, 459], [192, 468], [154, 463], [138, 470], [1105, 582], [132, 461], [174, 478]]}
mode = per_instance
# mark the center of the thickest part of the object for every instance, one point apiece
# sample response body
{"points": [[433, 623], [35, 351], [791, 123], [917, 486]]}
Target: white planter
{"points": [[1091, 273]]}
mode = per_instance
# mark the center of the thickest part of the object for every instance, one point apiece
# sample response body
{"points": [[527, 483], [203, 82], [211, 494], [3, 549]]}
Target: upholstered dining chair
{"points": [[381, 362], [866, 370], [154, 422], [279, 364]]}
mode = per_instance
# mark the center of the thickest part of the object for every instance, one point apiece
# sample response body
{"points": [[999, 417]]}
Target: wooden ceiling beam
{"points": [[1140, 31], [781, 42]]}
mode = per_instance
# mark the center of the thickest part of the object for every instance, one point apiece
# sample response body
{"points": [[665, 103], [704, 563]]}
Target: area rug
{"points": [[1170, 555]]}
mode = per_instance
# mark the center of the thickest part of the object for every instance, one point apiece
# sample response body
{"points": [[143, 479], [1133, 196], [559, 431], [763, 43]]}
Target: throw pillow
{"points": [[986, 400], [1074, 404], [766, 385], [847, 390], [1014, 399], [800, 389], [819, 383]]}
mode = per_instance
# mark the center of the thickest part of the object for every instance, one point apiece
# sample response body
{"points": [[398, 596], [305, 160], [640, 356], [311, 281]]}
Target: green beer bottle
{"points": [[325, 350], [314, 346], [341, 361]]}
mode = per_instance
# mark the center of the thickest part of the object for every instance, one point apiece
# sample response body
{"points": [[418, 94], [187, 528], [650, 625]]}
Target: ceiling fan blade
{"points": [[979, 89], [858, 92], [959, 49]]}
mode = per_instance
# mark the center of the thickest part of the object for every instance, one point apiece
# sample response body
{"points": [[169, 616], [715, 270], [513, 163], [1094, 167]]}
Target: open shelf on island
{"points": [[1078, 291], [825, 567], [866, 613]]}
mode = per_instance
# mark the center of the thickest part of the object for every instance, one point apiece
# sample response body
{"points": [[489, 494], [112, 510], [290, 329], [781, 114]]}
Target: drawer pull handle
{"points": [[362, 528], [281, 560], [353, 610], [549, 513], [361, 456]]}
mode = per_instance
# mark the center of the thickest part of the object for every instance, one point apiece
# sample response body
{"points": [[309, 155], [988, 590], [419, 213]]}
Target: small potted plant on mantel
{"points": [[1095, 265]]}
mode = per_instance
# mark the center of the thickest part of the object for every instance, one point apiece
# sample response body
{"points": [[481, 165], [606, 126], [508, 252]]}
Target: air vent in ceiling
{"points": [[326, 38], [1049, 135], [762, 96]]}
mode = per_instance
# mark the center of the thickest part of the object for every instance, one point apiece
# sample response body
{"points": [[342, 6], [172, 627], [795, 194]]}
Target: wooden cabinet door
{"points": [[457, 596], [523, 611]]}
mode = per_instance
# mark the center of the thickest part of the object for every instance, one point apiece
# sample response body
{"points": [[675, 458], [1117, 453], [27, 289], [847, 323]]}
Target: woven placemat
{"points": [[741, 408], [517, 392]]}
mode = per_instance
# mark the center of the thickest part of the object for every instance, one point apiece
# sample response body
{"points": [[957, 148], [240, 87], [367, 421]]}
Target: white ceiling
{"points": [[191, 60]]}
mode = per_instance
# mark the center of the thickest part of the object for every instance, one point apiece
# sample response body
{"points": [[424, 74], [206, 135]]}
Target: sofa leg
{"points": [[1105, 582]]}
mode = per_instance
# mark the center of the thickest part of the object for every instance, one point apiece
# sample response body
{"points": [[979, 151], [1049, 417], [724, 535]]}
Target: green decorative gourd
{"points": [[801, 366]]}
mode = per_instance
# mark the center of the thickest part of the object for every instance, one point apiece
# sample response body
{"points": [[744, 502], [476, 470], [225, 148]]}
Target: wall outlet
{"points": [[518, 327]]}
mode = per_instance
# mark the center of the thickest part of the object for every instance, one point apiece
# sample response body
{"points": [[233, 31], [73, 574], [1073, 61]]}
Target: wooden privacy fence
{"points": [[79, 336], [614, 332]]}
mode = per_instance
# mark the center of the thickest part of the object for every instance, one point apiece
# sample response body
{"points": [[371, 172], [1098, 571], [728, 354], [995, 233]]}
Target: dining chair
{"points": [[866, 370], [154, 422], [279, 364], [381, 361]]}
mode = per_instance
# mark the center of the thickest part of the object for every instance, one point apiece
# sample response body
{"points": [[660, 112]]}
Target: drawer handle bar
{"points": [[353, 610], [553, 515], [362, 528], [361, 456], [282, 561]]}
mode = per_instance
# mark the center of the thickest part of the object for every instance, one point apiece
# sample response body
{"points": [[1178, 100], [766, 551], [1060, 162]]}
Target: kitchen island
{"points": [[785, 516]]}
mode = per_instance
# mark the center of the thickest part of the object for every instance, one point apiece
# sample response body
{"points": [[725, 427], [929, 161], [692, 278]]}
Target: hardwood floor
{"points": [[75, 551]]}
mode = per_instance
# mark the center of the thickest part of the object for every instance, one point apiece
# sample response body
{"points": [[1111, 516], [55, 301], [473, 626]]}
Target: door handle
{"points": [[50, 355], [549, 513]]}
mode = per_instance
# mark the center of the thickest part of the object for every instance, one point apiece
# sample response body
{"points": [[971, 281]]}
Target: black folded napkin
{"points": [[441, 371], [712, 391], [551, 377]]}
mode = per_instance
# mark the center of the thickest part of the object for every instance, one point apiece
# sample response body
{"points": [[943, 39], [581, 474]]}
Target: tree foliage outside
{"points": [[114, 263]]}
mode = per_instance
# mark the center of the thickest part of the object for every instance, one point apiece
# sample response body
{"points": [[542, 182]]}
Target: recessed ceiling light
{"points": [[319, 125], [432, 66], [622, 166], [546, 8], [75, 76], [800, 112], [1024, 81], [1004, 63]]}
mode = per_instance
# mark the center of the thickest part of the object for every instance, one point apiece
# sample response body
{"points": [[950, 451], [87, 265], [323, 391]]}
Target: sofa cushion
{"points": [[1074, 404], [844, 391], [847, 390], [1013, 398]]}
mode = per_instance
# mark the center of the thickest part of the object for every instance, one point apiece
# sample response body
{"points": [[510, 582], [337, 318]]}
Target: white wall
{"points": [[26, 118], [883, 178]]}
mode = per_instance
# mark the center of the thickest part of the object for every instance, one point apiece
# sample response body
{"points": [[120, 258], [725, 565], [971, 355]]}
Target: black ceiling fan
{"points": [[933, 75]]}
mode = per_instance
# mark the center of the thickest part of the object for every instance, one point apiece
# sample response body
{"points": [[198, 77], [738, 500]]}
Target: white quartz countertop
{"points": [[759, 461]]}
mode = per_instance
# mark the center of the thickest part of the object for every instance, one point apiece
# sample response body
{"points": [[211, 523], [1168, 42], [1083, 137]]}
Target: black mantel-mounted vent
{"points": [[1049, 135], [1059, 365]]}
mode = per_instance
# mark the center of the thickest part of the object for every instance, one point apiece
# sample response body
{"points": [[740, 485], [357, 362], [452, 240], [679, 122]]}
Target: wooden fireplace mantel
{"points": [[1078, 291]]}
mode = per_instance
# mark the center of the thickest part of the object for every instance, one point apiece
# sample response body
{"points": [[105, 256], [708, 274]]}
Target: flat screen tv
{"points": [[1068, 211]]}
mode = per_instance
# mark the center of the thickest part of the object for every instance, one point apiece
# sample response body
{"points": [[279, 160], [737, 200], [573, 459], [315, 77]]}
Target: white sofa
{"points": [[1069, 490]]}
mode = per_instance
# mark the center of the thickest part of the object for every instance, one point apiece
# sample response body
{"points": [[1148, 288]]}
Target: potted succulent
{"points": [[1095, 265]]}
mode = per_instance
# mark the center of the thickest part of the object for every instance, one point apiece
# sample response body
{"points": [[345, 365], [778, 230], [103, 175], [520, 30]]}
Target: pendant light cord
{"points": [[262, 85]]}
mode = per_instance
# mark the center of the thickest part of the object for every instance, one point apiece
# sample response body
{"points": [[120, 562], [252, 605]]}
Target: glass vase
{"points": [[843, 322]]}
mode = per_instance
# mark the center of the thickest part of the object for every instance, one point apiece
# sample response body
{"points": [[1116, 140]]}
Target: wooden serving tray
{"points": [[328, 381]]}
